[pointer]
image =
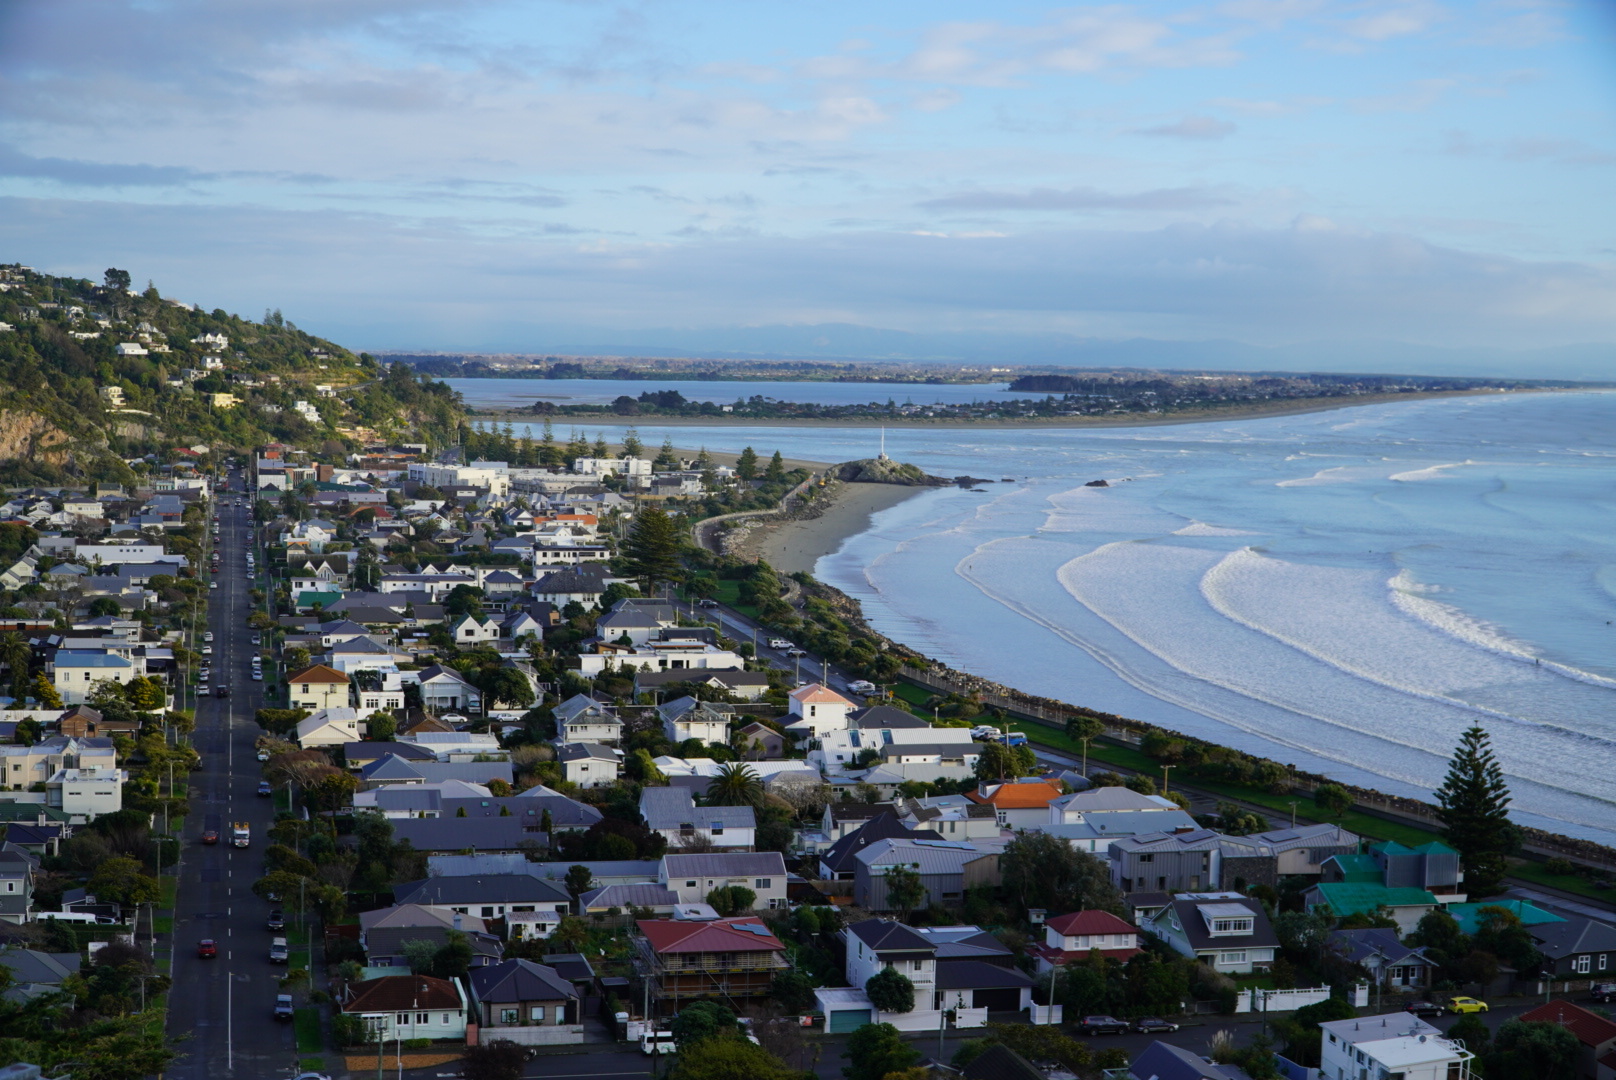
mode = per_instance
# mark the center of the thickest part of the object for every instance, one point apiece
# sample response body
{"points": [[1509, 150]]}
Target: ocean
{"points": [[520, 393], [1345, 591]]}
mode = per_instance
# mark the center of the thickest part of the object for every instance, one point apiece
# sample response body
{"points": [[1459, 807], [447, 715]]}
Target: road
{"points": [[224, 1005]]}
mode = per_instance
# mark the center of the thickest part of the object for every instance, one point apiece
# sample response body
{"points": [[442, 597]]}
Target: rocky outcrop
{"points": [[28, 436], [885, 471]]}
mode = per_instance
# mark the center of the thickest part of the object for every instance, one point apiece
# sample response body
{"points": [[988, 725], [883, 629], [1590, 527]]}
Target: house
{"points": [[1077, 935], [817, 709], [1388, 961], [1596, 1033], [457, 746], [17, 870], [1018, 805], [951, 817], [1090, 820], [1576, 948], [1343, 899], [359, 754], [874, 945], [318, 687], [582, 585], [328, 727], [384, 945], [1393, 1044], [1164, 1061], [566, 815], [1187, 861], [454, 831], [679, 961], [761, 741], [487, 896], [673, 813], [946, 870], [737, 682], [1470, 916], [635, 624], [1432, 866], [657, 899], [78, 670], [686, 718], [444, 689], [1227, 930], [392, 770], [840, 861], [528, 996], [470, 630], [84, 794], [590, 764], [34, 973], [583, 719], [408, 1006], [692, 877], [846, 816]]}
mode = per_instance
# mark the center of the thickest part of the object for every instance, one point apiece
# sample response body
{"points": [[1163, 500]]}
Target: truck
{"points": [[240, 834]]}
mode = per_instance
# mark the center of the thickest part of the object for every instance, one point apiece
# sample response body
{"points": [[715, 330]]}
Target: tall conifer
{"points": [[1473, 802]]}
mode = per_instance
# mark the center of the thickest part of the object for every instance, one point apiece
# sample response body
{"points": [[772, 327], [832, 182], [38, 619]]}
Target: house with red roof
{"points": [[1077, 935], [1018, 804], [409, 1006], [817, 709], [1596, 1034], [686, 960]]}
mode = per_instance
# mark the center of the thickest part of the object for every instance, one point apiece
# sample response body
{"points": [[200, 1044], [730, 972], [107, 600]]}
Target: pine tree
{"points": [[632, 446], [1473, 802], [600, 448], [776, 473], [651, 551], [746, 466], [667, 458]]}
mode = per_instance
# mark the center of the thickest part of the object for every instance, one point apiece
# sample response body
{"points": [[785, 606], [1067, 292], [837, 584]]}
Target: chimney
{"points": [[457, 920]]}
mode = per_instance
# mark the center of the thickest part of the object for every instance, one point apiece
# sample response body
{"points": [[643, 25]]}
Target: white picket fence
{"points": [[1276, 1001]]}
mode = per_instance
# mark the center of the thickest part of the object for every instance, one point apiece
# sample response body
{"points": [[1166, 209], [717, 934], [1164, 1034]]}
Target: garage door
{"points": [[844, 1020], [998, 999]]}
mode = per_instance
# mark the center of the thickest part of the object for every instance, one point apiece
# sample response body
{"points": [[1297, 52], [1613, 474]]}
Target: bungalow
{"points": [[318, 687], [657, 899], [1390, 963], [488, 896], [673, 813], [444, 689], [384, 945], [591, 764], [408, 1007], [328, 727], [1226, 930], [635, 624], [531, 998], [692, 877], [1077, 935], [1343, 899], [456, 829], [1576, 948]]}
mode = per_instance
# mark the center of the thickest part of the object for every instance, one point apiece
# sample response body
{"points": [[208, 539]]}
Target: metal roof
{"points": [[724, 864]]}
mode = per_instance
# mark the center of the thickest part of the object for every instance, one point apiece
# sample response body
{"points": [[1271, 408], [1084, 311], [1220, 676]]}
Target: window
{"points": [[402, 1019], [764, 883], [537, 1015], [1604, 958], [488, 912], [1147, 858], [507, 1016], [1231, 926], [718, 828], [423, 1018], [1232, 956], [445, 1019], [1583, 964], [690, 884], [919, 965]]}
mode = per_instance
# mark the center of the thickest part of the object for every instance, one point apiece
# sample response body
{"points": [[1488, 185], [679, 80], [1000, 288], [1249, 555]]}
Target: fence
{"points": [[538, 1035], [1276, 1001]]}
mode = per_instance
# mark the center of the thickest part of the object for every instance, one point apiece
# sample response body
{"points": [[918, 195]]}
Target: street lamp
{"points": [[1292, 804]]}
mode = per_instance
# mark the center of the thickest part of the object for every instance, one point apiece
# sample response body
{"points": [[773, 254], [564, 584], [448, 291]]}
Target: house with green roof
{"points": [[1468, 916], [1403, 905], [1433, 866]]}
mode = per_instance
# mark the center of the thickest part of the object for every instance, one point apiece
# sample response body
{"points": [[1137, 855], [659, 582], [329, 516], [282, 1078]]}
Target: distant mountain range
{"points": [[843, 341]]}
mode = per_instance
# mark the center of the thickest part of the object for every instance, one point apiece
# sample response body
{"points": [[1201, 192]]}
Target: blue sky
{"points": [[457, 174]]}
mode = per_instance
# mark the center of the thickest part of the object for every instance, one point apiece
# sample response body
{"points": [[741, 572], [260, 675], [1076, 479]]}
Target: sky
{"points": [[457, 174]]}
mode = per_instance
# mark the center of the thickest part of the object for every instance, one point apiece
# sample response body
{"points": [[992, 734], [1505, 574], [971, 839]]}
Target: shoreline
{"points": [[1242, 412], [796, 545]]}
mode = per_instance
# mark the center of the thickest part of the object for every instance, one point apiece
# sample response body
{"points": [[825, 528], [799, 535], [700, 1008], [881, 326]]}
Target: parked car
{"points": [[278, 952], [207, 650], [277, 920], [1603, 991], [1103, 1025], [258, 639], [264, 790], [263, 755], [779, 643], [207, 635], [206, 947], [1147, 1024], [283, 1006], [453, 718], [1466, 1005], [660, 1042], [258, 675], [1423, 1008]]}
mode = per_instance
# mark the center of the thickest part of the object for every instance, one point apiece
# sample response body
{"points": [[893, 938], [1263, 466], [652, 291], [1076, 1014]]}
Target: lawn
{"points": [[170, 884], [306, 1022], [729, 593], [1537, 874], [165, 924]]}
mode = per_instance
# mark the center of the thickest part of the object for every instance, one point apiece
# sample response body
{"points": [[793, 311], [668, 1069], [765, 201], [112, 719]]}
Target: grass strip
{"points": [[306, 1023]]}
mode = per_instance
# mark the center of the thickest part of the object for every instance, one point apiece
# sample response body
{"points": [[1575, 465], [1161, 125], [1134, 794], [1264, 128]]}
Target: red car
{"points": [[210, 836], [206, 948]]}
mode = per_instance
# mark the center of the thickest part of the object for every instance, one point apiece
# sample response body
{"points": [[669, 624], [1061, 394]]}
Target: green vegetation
{"points": [[306, 1023], [1473, 802]]}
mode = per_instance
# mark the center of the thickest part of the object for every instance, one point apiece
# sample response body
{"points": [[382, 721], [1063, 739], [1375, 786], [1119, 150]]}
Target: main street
{"points": [[222, 1007]]}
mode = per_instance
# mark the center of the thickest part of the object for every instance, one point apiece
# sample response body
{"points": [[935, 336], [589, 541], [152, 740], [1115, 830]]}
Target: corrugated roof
{"points": [[399, 993], [1078, 923], [719, 936], [724, 864], [1019, 796], [1361, 897], [1591, 1029], [930, 856]]}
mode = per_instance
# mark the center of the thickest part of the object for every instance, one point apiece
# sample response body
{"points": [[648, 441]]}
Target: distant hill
{"points": [[92, 376]]}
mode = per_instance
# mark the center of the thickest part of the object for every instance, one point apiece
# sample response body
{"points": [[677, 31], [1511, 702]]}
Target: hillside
{"points": [[93, 377]]}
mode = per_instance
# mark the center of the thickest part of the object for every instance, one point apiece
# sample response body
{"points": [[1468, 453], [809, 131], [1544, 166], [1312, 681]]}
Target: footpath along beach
{"points": [[795, 546]]}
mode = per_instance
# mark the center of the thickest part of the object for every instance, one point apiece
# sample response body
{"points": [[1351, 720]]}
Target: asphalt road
{"points": [[223, 1007]]}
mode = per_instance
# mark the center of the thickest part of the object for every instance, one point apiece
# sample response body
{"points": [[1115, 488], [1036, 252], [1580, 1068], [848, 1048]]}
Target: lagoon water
{"points": [[1345, 590], [520, 393]]}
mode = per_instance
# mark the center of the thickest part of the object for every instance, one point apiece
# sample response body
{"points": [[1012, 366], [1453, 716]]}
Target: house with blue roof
{"points": [[78, 670]]}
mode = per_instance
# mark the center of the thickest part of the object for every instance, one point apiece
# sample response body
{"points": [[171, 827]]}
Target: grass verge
{"points": [[171, 885], [1534, 873], [729, 593], [306, 1022], [165, 924]]}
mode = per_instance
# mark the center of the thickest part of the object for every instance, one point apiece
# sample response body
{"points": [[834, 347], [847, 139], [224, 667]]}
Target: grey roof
{"points": [[725, 864], [887, 936], [472, 772], [967, 943], [898, 750], [636, 869], [574, 967], [408, 797], [389, 940], [1103, 824], [485, 863], [453, 833], [731, 677], [34, 966], [375, 751], [390, 767], [646, 894], [671, 808], [482, 889], [679, 707], [1111, 798], [978, 975], [579, 704], [1153, 842], [884, 716], [563, 811], [520, 980], [931, 856], [842, 856], [999, 1062], [1195, 929], [1575, 935], [1308, 836], [1358, 946], [585, 751], [1164, 1061]]}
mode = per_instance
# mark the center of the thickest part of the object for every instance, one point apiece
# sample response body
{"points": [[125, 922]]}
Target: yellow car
{"points": [[1466, 1005]]}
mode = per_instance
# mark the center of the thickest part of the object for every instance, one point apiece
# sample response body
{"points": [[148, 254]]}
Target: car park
{"points": [[1466, 1005], [206, 948], [1102, 1025], [1146, 1025]]}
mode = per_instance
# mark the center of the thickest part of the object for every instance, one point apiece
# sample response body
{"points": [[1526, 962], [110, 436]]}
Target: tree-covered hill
{"points": [[94, 375]]}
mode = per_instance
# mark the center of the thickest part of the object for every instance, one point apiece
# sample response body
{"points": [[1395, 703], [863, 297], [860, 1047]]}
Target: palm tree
{"points": [[735, 785], [16, 654]]}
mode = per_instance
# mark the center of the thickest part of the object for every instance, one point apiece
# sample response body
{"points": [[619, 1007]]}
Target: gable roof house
{"points": [[692, 877], [1229, 931], [487, 896], [529, 997], [1076, 935], [444, 688], [384, 945], [673, 813], [1164, 1061], [583, 719], [738, 682], [1091, 820], [874, 945], [946, 870], [1596, 1033], [409, 1006], [335, 726], [840, 861], [817, 709], [470, 630], [1388, 961], [317, 687], [686, 718], [1018, 805], [1576, 948], [590, 764], [733, 959]]}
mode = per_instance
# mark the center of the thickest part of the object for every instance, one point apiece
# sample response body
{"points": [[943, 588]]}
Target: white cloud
{"points": [[1191, 127]]}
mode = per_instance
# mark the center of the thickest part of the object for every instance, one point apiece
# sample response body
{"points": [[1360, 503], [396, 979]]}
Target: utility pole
{"points": [[1165, 770], [1292, 804]]}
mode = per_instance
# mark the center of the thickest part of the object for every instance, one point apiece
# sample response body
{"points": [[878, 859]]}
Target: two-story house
{"points": [[317, 687], [17, 885], [589, 764], [946, 870], [692, 877], [530, 997], [1226, 930], [583, 719], [1393, 1044], [1075, 936], [86, 793], [673, 813], [874, 945], [817, 709], [1578, 948], [1018, 804], [681, 961], [686, 718]]}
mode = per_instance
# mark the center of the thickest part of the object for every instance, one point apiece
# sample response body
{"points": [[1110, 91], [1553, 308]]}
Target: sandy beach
{"points": [[794, 546]]}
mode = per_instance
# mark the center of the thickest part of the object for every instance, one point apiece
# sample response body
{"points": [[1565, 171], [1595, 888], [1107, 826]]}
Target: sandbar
{"points": [[795, 546]]}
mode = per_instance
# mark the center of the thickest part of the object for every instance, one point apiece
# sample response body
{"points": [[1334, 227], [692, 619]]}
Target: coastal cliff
{"points": [[884, 470]]}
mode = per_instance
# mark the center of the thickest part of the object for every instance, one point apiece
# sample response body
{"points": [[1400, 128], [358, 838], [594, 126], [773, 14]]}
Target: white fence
{"points": [[538, 1035], [970, 1018], [1274, 1001], [1044, 1014]]}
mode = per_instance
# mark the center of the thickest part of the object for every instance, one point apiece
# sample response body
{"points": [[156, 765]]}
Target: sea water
{"points": [[1346, 591]]}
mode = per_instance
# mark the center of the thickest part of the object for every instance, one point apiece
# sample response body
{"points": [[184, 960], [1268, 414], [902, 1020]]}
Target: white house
{"points": [[818, 709], [672, 812], [329, 727], [408, 1007], [583, 719], [590, 764], [658, 656], [444, 688], [686, 718], [84, 794], [877, 944], [692, 877], [1075, 936], [77, 672], [1226, 930], [469, 630], [458, 746], [1394, 1044]]}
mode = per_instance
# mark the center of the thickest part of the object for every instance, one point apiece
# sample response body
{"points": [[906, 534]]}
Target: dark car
{"points": [[1423, 1008], [277, 919], [1603, 991], [1103, 1025], [264, 788], [1147, 1024], [221, 691]]}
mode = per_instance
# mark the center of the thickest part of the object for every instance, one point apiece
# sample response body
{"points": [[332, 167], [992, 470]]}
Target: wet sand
{"points": [[795, 546]]}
